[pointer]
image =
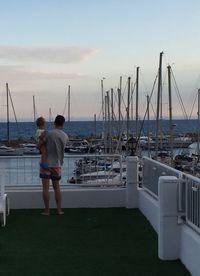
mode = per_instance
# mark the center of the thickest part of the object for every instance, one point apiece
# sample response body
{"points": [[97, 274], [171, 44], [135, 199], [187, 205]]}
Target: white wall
{"points": [[149, 207], [189, 242], [190, 249], [71, 198]]}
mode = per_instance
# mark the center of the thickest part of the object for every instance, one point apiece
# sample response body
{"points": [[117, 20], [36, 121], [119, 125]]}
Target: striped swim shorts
{"points": [[53, 173]]}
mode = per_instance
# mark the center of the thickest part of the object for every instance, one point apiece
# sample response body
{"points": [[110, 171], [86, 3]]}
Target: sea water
{"points": [[26, 130]]}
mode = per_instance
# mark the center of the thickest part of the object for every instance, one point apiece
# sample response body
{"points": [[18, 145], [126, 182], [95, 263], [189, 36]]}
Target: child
{"points": [[40, 139]]}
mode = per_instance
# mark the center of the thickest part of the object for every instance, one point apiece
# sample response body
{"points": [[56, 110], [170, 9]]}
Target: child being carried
{"points": [[40, 139]]}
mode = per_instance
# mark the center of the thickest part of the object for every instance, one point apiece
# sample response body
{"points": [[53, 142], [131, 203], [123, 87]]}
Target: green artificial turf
{"points": [[82, 242]]}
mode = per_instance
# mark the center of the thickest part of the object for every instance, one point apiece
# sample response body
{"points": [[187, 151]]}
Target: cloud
{"points": [[63, 55], [10, 72]]}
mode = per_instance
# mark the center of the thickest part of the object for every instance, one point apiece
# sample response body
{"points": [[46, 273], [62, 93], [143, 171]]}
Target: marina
{"points": [[99, 138], [154, 174]]}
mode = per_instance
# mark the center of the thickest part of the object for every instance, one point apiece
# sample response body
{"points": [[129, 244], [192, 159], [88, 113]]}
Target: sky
{"points": [[47, 45]]}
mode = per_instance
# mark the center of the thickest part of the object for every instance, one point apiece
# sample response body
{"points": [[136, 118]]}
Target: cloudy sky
{"points": [[47, 45]]}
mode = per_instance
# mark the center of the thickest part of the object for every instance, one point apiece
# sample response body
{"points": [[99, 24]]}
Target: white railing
{"points": [[192, 201], [175, 214], [188, 201], [77, 170], [152, 170]]}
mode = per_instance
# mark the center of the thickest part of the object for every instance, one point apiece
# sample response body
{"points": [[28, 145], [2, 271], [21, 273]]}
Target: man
{"points": [[55, 141]]}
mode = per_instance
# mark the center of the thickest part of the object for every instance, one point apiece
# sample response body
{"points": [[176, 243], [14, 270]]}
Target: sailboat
{"points": [[8, 150]]}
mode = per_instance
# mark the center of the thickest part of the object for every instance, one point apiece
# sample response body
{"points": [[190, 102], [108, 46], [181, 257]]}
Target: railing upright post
{"points": [[131, 182], [2, 180], [169, 229]]}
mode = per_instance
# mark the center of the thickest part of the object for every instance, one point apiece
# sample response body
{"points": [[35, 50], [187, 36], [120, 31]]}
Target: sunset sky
{"points": [[46, 45]]}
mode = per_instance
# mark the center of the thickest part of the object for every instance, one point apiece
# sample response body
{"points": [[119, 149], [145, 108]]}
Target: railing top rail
{"points": [[191, 177], [157, 163], [92, 155], [65, 156], [20, 157]]}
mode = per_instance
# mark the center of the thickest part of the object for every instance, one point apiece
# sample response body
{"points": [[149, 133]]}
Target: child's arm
{"points": [[42, 140]]}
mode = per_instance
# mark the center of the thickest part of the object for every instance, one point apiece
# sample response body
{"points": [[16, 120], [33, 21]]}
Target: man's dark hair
{"points": [[59, 120]]}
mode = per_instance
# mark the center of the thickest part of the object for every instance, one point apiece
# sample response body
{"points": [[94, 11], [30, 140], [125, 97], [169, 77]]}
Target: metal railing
{"points": [[192, 201], [188, 201], [152, 170], [77, 170]]}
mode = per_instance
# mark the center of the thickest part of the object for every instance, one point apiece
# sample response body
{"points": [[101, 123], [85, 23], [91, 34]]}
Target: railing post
{"points": [[2, 181], [131, 182], [169, 230]]}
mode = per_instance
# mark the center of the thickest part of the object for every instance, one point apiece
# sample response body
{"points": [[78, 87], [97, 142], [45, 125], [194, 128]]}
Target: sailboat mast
{"points": [[119, 117], [137, 102], [69, 103], [8, 119], [170, 113], [198, 133], [103, 110], [34, 110], [105, 126], [128, 106], [112, 118], [50, 115], [102, 99], [95, 126], [158, 102], [119, 90], [148, 133], [132, 90], [109, 126]]}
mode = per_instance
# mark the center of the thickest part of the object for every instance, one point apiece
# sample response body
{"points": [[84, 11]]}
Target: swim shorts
{"points": [[53, 173]]}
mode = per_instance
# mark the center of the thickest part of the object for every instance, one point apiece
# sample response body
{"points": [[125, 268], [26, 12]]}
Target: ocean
{"points": [[83, 129]]}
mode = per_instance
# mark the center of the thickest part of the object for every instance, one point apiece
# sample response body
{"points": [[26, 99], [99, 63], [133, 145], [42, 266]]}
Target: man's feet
{"points": [[45, 213], [60, 212]]}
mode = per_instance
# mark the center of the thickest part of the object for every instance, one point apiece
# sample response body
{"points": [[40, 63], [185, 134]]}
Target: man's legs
{"points": [[57, 192], [46, 197]]}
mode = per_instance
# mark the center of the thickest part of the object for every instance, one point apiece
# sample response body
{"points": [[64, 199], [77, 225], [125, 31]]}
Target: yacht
{"points": [[30, 149], [9, 151]]}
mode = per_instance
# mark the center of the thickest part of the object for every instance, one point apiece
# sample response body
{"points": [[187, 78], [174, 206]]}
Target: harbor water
{"points": [[26, 130]]}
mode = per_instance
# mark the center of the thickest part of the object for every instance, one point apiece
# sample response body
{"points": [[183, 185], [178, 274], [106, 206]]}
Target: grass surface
{"points": [[82, 242]]}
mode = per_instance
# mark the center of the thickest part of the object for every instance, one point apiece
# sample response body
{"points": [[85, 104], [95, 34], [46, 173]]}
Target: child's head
{"points": [[40, 122]]}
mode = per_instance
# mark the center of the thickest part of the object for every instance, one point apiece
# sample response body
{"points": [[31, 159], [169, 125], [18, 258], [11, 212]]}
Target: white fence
{"points": [[192, 201], [107, 171], [188, 202], [170, 200], [152, 170], [77, 170]]}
